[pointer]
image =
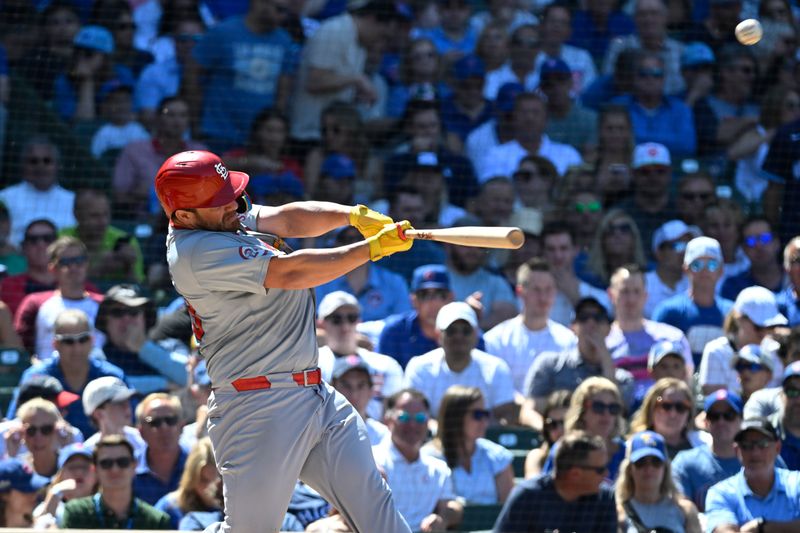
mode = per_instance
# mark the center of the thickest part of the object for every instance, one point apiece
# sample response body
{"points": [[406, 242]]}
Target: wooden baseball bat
{"points": [[481, 236]]}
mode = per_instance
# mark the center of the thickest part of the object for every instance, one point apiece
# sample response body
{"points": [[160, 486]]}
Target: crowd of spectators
{"points": [[648, 330]]}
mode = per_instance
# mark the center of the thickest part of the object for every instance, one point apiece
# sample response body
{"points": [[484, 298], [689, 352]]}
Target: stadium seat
{"points": [[13, 362], [479, 517], [514, 438]]}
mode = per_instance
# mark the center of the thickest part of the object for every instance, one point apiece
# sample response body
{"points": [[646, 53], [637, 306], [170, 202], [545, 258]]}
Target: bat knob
{"points": [[400, 232]]}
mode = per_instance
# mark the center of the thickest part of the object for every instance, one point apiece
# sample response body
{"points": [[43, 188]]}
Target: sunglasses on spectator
{"points": [[623, 228], [155, 422], [119, 312], [338, 320], [72, 339], [40, 161], [678, 407], [599, 408], [712, 265], [755, 240], [45, 238], [650, 73], [599, 470], [650, 461], [45, 430], [423, 54], [479, 415], [791, 392], [120, 462], [750, 445], [187, 37], [425, 295], [527, 175], [553, 423], [752, 367], [459, 329], [525, 43], [588, 207], [404, 417], [586, 316], [676, 246], [72, 261], [692, 196], [729, 416]]}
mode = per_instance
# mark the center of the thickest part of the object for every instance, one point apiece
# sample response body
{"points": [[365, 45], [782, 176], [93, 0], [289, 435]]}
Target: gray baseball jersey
{"points": [[242, 328], [264, 440]]}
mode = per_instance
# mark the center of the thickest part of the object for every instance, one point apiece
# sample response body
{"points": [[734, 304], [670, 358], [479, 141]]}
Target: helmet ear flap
{"points": [[243, 203]]}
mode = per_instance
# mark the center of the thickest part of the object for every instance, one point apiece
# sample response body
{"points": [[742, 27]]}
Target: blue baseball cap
{"points": [[68, 452], [507, 96], [723, 395], [661, 349], [19, 476], [553, 66], [469, 66], [95, 38], [791, 371], [697, 54], [338, 166], [343, 365], [645, 444], [111, 86], [430, 277]]}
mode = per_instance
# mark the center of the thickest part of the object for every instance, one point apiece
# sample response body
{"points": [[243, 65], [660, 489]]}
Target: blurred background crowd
{"points": [[644, 337]]}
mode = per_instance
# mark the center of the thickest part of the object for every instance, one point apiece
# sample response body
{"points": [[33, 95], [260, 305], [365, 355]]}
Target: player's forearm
{"points": [[310, 268], [303, 219]]}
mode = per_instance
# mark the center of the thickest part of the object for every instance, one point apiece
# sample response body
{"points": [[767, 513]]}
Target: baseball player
{"points": [[271, 418]]}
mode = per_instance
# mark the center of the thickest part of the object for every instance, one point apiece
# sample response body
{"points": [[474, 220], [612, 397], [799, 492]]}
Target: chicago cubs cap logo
{"points": [[221, 170]]}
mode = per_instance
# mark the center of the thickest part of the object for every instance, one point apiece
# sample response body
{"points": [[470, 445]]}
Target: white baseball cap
{"points": [[752, 353], [101, 390], [455, 311], [702, 247], [759, 305], [651, 154], [333, 301], [673, 230]]}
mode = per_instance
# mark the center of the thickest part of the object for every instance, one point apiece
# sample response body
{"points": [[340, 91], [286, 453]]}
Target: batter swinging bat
{"points": [[481, 236]]}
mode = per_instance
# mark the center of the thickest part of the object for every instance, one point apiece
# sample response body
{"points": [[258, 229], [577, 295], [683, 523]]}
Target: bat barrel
{"points": [[480, 236]]}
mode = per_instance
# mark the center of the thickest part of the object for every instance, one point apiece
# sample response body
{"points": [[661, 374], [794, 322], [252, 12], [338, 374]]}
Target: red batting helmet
{"points": [[197, 179]]}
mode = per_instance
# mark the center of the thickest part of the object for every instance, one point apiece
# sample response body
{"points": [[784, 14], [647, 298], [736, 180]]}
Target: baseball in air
{"points": [[749, 31]]}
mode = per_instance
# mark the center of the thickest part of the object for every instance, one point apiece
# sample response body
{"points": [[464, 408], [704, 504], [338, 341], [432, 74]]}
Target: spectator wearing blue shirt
{"points": [[161, 465], [697, 470], [789, 297], [380, 292], [656, 117], [788, 422], [699, 313], [247, 63], [465, 108], [761, 245], [72, 367], [454, 37], [761, 497], [596, 26]]}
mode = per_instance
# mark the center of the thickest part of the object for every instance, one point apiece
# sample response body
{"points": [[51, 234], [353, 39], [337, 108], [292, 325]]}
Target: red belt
{"points": [[305, 378]]}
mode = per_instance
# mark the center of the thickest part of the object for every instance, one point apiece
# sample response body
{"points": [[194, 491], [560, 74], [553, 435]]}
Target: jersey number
{"points": [[197, 323]]}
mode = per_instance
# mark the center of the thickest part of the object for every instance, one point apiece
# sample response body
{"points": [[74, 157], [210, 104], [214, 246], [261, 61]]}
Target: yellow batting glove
{"points": [[389, 240], [367, 221]]}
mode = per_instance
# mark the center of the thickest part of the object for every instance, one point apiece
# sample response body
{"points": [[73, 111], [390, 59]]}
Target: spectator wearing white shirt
{"points": [[458, 362], [668, 278], [498, 130], [555, 30], [530, 119], [422, 486], [559, 250], [38, 195], [521, 65], [519, 340]]}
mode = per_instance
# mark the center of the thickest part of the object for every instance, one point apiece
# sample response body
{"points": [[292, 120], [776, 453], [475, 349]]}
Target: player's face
{"points": [[403, 422], [109, 472], [355, 386], [160, 426], [223, 218]]}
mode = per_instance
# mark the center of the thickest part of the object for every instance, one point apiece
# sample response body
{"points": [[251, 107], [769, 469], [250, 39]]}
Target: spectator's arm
{"points": [[507, 413], [504, 482], [8, 335], [692, 521], [25, 323], [282, 95], [529, 415], [323, 81], [168, 361], [451, 512]]}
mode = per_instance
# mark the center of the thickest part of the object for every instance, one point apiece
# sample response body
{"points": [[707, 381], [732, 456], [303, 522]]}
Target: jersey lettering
{"points": [[197, 322]]}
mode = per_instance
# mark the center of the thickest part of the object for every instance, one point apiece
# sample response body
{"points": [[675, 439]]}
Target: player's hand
{"points": [[367, 221], [389, 240]]}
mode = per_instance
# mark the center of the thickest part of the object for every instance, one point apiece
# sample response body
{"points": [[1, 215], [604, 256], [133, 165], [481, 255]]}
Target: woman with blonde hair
{"points": [[200, 486], [40, 423], [482, 471], [647, 499], [596, 407], [668, 409], [617, 242]]}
